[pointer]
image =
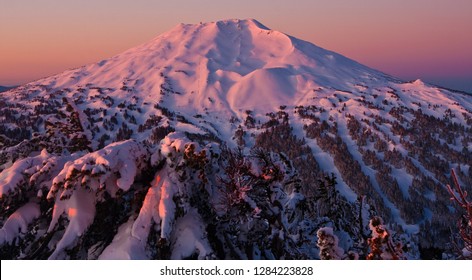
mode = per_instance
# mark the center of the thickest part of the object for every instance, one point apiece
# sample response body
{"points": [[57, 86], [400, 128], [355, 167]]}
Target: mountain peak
{"points": [[249, 23], [230, 60], [418, 82], [241, 24]]}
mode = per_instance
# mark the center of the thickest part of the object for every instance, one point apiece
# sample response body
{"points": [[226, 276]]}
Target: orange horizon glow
{"points": [[407, 39]]}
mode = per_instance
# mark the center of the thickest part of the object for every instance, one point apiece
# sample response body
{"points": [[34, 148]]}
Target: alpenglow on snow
{"points": [[228, 140]]}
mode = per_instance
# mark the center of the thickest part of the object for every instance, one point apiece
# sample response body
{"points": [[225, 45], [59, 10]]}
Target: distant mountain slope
{"points": [[3, 88], [227, 131]]}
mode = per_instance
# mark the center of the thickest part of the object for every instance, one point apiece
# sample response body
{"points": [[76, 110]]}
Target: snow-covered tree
{"points": [[258, 219], [328, 244], [381, 244], [174, 206], [74, 184], [459, 195]]}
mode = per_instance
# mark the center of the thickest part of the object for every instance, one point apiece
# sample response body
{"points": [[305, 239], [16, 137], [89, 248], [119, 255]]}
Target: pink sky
{"points": [[428, 39]]}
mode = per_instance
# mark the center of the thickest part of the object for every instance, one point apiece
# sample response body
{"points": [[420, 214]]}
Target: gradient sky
{"points": [[409, 39]]}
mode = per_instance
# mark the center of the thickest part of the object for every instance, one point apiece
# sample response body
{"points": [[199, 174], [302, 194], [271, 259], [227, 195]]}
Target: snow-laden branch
{"points": [[113, 167], [75, 188], [33, 173], [18, 222]]}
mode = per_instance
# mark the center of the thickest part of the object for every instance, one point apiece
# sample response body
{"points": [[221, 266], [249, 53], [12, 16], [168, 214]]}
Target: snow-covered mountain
{"points": [[3, 88], [227, 140]]}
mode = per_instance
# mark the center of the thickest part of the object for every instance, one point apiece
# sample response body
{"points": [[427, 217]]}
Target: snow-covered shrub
{"points": [[381, 244], [329, 247], [328, 244]]}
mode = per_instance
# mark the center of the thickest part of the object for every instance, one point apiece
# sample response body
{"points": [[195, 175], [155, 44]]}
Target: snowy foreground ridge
{"points": [[229, 140]]}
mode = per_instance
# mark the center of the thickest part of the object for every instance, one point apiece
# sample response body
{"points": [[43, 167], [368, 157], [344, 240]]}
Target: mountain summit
{"points": [[227, 140], [226, 61]]}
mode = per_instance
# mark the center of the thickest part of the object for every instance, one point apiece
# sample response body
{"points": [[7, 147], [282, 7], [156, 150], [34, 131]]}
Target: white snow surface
{"points": [[190, 237], [124, 246]]}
